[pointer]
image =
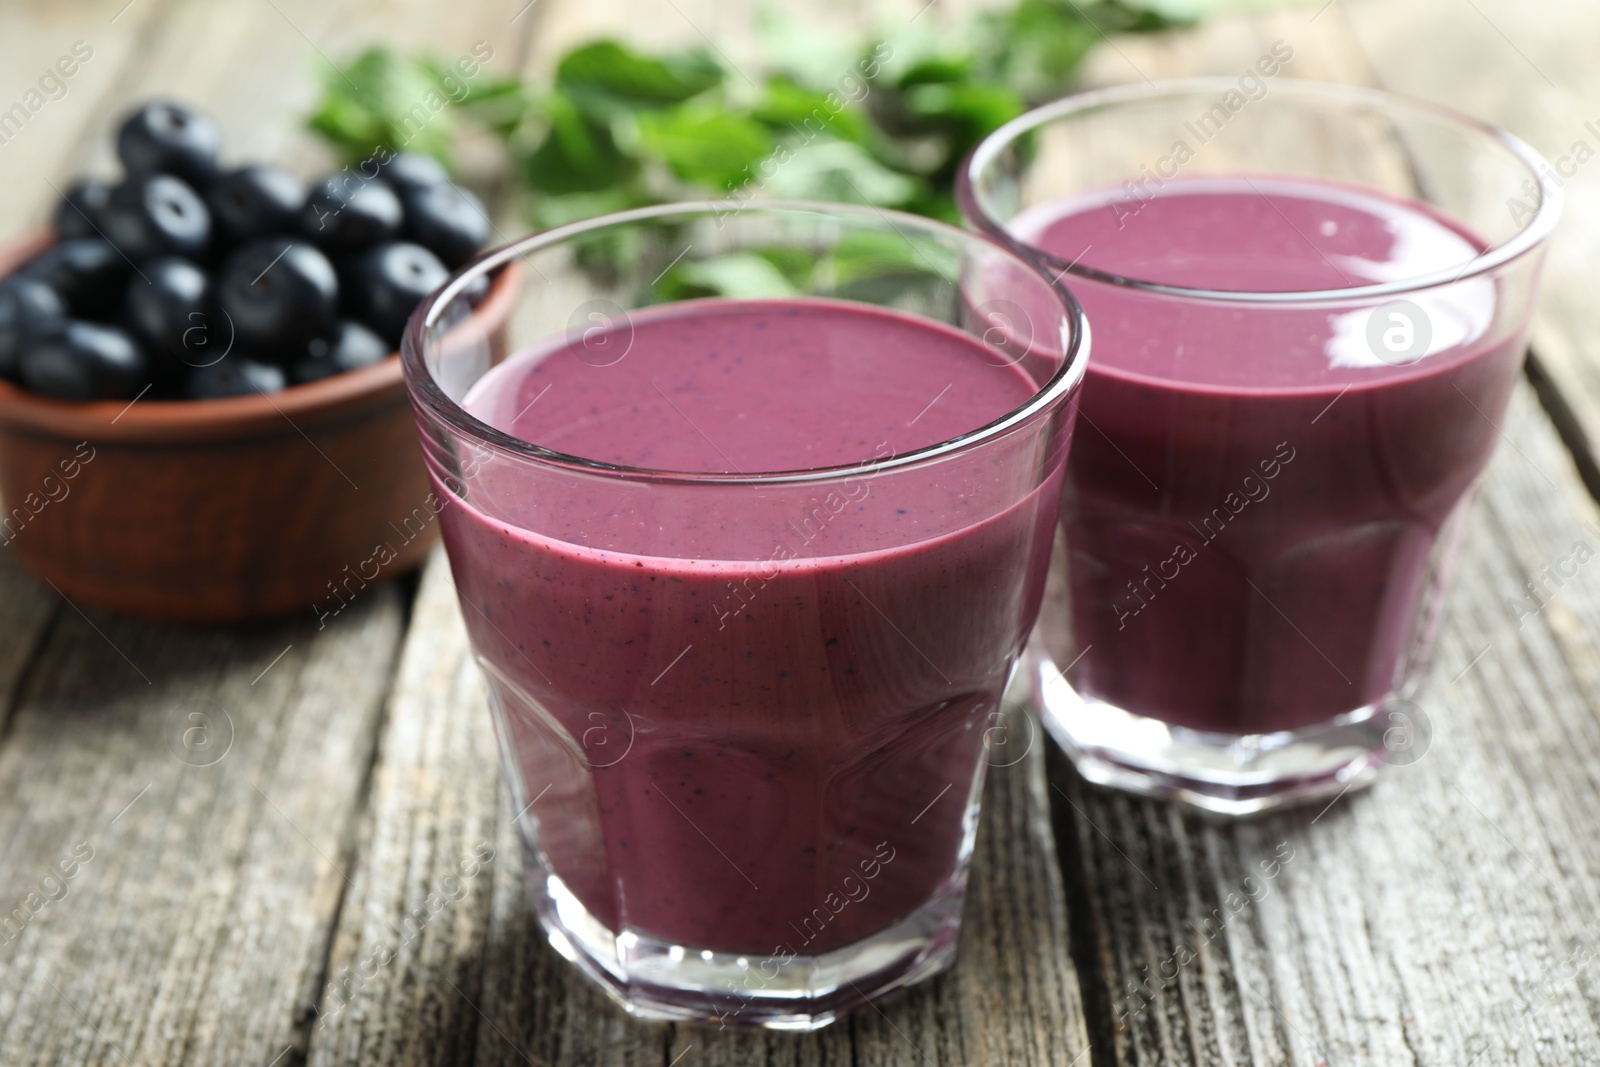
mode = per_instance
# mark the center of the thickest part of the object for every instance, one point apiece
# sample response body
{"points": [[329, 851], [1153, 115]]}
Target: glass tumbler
{"points": [[749, 510], [1309, 305]]}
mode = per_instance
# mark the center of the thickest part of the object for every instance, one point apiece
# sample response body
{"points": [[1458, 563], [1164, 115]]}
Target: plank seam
{"points": [[350, 843], [1084, 933], [1569, 427], [13, 698]]}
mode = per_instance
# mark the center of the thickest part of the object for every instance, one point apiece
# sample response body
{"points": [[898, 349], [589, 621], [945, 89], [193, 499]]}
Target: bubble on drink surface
{"points": [[1009, 733], [1005, 329], [205, 340], [199, 733], [1399, 332], [606, 737], [1407, 732], [600, 332]]}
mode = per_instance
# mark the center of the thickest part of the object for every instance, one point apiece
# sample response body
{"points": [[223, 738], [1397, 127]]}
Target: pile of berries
{"points": [[193, 281]]}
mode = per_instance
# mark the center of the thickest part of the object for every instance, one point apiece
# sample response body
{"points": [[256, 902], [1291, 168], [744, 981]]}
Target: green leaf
{"points": [[840, 171], [383, 100], [936, 202], [498, 104], [706, 144], [838, 117], [1034, 46], [606, 76], [579, 154], [972, 110], [791, 108], [865, 256], [740, 275], [548, 211], [794, 263], [921, 54]]}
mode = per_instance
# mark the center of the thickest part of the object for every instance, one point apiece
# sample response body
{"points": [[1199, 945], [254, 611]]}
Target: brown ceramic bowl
{"points": [[220, 510]]}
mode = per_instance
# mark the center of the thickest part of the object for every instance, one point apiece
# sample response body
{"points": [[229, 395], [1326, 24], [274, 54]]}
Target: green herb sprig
{"points": [[883, 121]]}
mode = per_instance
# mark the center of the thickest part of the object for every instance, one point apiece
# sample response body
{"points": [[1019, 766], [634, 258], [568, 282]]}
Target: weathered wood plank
{"points": [[260, 67], [197, 928], [113, 37], [1544, 89], [480, 969]]}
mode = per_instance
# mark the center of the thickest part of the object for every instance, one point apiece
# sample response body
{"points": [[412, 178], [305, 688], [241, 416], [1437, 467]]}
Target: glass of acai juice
{"points": [[1309, 305], [749, 514]]}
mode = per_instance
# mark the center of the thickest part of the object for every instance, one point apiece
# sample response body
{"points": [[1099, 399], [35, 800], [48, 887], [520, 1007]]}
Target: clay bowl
{"points": [[221, 510]]}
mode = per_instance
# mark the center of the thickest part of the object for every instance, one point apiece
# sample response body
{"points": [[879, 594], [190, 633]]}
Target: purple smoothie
{"points": [[752, 724], [1253, 507]]}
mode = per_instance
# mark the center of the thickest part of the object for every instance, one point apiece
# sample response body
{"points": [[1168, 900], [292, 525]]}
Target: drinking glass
{"points": [[743, 712], [1260, 516]]}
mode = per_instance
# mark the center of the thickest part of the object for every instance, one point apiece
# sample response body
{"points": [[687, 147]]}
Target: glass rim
{"points": [[427, 394], [1531, 234]]}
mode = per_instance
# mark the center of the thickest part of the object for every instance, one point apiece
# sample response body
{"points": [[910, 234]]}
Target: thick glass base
{"points": [[1227, 774], [653, 979]]}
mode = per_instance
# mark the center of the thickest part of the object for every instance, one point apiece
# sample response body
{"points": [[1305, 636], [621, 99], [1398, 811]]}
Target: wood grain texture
{"points": [[197, 931], [476, 982], [33, 38]]}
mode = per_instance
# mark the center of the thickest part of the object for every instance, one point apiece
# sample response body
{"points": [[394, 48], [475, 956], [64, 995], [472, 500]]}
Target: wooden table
{"points": [[221, 903]]}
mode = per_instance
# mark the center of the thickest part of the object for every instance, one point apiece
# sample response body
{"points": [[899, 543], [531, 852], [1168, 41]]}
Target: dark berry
{"points": [[169, 138], [88, 272], [477, 290], [30, 312], [236, 375], [81, 210], [157, 215], [347, 214], [412, 171], [448, 221], [86, 361], [278, 293], [389, 281], [169, 311], [349, 347], [256, 201]]}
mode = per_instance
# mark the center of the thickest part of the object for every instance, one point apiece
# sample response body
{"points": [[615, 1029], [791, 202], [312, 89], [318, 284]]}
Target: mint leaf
{"points": [[740, 275], [607, 75], [969, 110], [843, 171], [1034, 46], [579, 154], [867, 256], [706, 144], [388, 101], [837, 117], [922, 53], [498, 104], [558, 210], [791, 108]]}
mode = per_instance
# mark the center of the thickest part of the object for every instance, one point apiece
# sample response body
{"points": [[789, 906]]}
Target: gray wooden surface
{"points": [[237, 896]]}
